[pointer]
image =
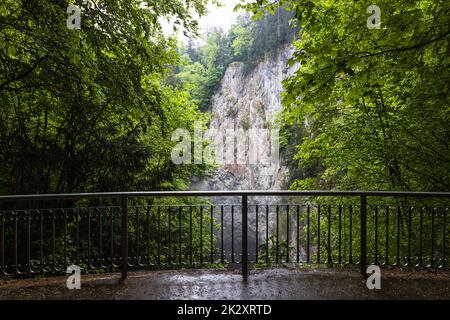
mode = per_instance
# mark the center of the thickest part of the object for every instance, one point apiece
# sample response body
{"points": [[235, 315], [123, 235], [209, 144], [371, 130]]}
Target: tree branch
{"points": [[24, 73], [368, 54]]}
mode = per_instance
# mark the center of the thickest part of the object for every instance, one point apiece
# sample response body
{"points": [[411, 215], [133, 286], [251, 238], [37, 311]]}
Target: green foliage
{"points": [[376, 100], [268, 255], [252, 39], [243, 41], [369, 109], [91, 109], [203, 68], [245, 122], [247, 41], [232, 112]]}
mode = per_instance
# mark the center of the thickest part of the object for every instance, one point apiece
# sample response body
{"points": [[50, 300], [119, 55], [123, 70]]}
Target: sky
{"points": [[222, 17]]}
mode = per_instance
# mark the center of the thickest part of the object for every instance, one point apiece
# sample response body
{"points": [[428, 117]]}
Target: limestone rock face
{"points": [[249, 100]]}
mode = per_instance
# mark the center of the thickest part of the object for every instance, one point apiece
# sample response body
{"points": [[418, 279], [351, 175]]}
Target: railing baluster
{"points": [[77, 235], [318, 234], [212, 236], [256, 234], [169, 256], [298, 234], [363, 250], [432, 237], [89, 239], [180, 250], [244, 237], [2, 242], [386, 257], [100, 240], [53, 240], [330, 260], [65, 239], [124, 238], [308, 260], [41, 267], [444, 237], [376, 236], [420, 264], [277, 234], [16, 262], [409, 234], [399, 219], [287, 233], [350, 258], [267, 233], [190, 236], [340, 235], [159, 235], [222, 258], [147, 224], [201, 235], [111, 239], [232, 233], [138, 238], [28, 215]]}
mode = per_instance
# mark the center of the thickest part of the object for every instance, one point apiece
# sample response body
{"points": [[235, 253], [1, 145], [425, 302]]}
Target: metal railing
{"points": [[107, 232]]}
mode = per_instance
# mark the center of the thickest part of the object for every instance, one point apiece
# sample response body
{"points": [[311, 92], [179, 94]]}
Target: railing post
{"points": [[363, 250], [244, 237], [124, 263]]}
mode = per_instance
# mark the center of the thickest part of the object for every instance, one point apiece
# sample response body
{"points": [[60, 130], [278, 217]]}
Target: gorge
{"points": [[248, 99]]}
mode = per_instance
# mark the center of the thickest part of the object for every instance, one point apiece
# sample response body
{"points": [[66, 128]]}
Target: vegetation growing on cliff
{"points": [[247, 41]]}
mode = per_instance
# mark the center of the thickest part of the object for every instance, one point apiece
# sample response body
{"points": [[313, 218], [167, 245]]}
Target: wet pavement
{"points": [[224, 284]]}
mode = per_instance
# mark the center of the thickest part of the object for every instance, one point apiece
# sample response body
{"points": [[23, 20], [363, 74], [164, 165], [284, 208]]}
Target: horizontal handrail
{"points": [[35, 197]]}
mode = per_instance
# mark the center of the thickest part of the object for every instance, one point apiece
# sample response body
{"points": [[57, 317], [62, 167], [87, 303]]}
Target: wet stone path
{"points": [[226, 284]]}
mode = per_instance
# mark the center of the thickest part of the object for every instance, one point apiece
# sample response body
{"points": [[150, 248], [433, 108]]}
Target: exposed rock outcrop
{"points": [[249, 99]]}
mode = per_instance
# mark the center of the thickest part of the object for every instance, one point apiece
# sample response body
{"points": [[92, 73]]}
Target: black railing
{"points": [[107, 232]]}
